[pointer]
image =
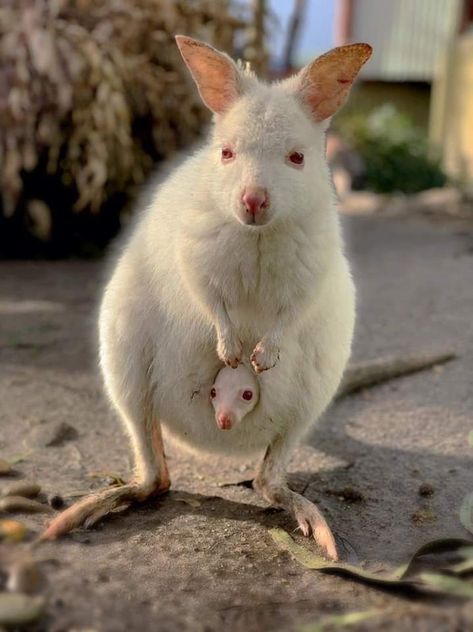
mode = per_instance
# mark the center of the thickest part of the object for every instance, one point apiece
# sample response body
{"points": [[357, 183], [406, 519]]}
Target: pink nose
{"points": [[255, 200], [224, 421]]}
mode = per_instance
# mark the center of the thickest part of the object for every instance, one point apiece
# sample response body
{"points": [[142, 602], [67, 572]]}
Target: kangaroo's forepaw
{"points": [[229, 350], [310, 520], [265, 356]]}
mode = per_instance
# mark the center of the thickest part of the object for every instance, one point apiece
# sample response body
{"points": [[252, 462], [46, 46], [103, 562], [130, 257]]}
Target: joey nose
{"points": [[224, 421], [255, 200]]}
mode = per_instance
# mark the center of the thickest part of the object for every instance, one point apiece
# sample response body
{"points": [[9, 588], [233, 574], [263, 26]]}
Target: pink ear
{"points": [[214, 72], [325, 83]]}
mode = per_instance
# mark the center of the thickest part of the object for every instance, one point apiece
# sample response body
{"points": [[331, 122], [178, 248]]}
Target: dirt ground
{"points": [[200, 559]]}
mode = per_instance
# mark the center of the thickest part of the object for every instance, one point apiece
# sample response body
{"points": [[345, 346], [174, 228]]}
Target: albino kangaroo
{"points": [[238, 255], [234, 394]]}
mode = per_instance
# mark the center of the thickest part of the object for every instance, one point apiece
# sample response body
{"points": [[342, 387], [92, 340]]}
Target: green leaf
{"points": [[396, 580], [341, 620], [316, 562], [447, 585], [462, 568], [435, 546], [17, 610], [466, 551]]}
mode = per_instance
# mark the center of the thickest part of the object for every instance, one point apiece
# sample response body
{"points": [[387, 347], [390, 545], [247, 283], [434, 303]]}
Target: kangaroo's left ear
{"points": [[324, 85], [216, 75]]}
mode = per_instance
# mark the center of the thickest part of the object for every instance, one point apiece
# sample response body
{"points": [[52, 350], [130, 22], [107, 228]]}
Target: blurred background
{"points": [[94, 97]]}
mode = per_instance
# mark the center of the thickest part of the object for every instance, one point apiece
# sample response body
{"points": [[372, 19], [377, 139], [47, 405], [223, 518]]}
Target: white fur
{"points": [[228, 390], [193, 275]]}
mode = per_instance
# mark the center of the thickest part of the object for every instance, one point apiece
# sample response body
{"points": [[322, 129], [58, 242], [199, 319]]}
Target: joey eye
{"points": [[248, 395], [296, 158], [213, 393], [227, 154]]}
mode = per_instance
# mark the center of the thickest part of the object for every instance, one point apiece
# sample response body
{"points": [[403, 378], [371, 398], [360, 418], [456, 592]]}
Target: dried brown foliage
{"points": [[94, 91]]}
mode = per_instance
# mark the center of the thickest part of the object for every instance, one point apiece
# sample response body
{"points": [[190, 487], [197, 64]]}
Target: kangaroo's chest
{"points": [[265, 277]]}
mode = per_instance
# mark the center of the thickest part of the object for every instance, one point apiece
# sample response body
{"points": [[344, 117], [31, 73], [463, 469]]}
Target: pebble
{"points": [[12, 531], [426, 490], [5, 467], [56, 501], [24, 577], [23, 488], [20, 504], [19, 610]]}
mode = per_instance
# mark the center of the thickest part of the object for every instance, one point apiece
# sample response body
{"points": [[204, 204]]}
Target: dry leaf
{"points": [[19, 504], [397, 580]]}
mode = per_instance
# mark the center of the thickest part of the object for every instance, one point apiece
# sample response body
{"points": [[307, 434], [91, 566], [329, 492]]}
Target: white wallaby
{"points": [[234, 394], [239, 255]]}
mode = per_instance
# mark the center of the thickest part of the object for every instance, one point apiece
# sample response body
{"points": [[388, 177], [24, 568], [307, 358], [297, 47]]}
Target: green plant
{"points": [[393, 150]]}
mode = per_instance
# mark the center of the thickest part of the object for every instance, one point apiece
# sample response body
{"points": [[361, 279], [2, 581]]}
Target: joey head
{"points": [[234, 394]]}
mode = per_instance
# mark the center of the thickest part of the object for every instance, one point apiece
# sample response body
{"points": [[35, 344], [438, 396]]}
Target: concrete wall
{"points": [[451, 121], [407, 36]]}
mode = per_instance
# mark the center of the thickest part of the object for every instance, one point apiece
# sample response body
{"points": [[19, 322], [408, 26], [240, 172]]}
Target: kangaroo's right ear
{"points": [[215, 74], [323, 86]]}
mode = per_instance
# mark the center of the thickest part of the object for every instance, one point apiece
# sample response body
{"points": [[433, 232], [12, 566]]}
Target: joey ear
{"points": [[323, 85], [215, 74]]}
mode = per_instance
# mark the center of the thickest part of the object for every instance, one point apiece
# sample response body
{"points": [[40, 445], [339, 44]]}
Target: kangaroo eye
{"points": [[248, 395], [296, 157], [227, 154], [213, 393]]}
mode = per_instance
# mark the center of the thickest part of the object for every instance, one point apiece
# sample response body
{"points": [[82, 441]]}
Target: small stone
{"points": [[23, 488], [56, 501], [24, 577], [12, 531], [5, 467], [426, 490], [22, 505], [47, 434], [18, 610]]}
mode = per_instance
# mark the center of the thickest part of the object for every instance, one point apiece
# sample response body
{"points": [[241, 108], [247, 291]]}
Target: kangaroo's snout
{"points": [[256, 202], [225, 421]]}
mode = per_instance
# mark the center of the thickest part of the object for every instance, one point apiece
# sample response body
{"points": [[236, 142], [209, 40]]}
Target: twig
{"points": [[369, 373]]}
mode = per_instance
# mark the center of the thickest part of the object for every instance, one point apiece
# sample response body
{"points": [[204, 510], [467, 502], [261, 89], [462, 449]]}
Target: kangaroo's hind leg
{"points": [[271, 483], [151, 475]]}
